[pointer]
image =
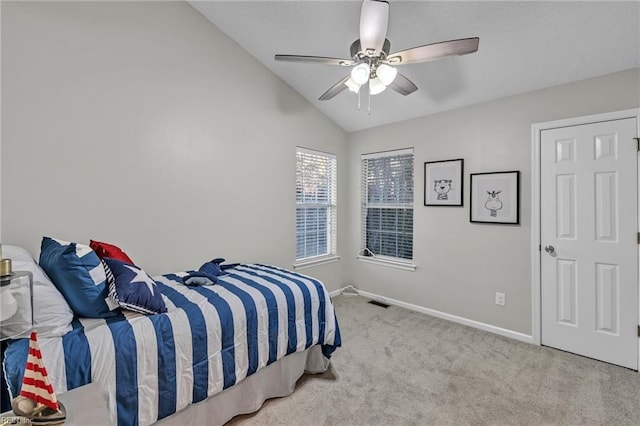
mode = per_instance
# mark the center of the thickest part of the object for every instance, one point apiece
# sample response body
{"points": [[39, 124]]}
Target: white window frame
{"points": [[332, 212], [394, 262]]}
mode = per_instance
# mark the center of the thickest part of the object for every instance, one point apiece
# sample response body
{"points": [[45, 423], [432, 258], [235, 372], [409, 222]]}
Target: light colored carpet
{"points": [[398, 367]]}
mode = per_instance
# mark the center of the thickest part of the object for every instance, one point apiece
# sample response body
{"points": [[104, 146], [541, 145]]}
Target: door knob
{"points": [[549, 249]]}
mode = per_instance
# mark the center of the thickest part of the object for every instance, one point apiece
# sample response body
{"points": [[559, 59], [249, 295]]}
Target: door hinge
{"points": [[637, 144], [638, 237], [639, 331]]}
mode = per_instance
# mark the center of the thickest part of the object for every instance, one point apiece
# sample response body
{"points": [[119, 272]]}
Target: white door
{"points": [[589, 225]]}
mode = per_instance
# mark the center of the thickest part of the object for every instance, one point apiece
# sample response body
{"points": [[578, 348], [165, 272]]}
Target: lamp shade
{"points": [[16, 305], [360, 73], [386, 74], [376, 86], [352, 85], [8, 304]]}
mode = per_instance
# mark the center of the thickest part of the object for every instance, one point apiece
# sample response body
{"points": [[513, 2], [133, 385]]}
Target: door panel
{"points": [[589, 216]]}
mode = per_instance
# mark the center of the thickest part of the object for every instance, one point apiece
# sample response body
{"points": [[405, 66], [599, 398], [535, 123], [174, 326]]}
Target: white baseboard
{"points": [[454, 318], [337, 292], [341, 290]]}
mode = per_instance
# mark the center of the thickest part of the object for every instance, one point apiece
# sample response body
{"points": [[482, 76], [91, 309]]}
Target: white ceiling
{"points": [[524, 46]]}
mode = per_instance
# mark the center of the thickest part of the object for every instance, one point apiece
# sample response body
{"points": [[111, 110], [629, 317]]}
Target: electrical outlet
{"points": [[501, 299]]}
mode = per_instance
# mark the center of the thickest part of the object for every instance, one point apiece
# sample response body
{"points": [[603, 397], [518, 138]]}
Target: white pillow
{"points": [[16, 253], [52, 315]]}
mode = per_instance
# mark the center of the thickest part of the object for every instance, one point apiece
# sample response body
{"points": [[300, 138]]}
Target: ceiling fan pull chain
{"points": [[359, 91], [369, 91]]}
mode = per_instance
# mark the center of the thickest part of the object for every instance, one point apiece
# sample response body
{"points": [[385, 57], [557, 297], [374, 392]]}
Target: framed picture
{"points": [[443, 183], [495, 197]]}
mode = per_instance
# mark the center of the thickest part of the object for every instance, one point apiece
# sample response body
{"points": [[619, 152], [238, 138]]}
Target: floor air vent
{"points": [[375, 302]]}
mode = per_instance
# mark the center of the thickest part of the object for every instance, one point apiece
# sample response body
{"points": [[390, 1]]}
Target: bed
{"points": [[218, 351]]}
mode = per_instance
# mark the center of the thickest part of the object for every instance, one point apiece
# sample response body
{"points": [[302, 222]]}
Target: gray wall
{"points": [[141, 124], [461, 265]]}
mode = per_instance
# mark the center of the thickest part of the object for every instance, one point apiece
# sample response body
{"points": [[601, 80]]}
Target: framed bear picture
{"points": [[495, 197], [443, 183]]}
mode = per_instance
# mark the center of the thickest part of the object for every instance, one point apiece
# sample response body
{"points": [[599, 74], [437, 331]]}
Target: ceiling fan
{"points": [[370, 58]]}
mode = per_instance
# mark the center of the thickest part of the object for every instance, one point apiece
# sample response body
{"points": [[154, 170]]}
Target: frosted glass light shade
{"points": [[376, 86], [386, 74], [360, 73], [352, 85]]}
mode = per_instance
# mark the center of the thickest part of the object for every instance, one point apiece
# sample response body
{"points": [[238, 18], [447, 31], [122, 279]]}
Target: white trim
{"points": [[315, 152], [392, 153], [453, 318], [393, 263], [536, 130], [337, 292], [535, 235], [315, 261], [588, 119], [406, 206], [314, 158]]}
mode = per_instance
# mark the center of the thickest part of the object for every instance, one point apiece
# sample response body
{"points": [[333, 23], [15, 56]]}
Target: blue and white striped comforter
{"points": [[211, 338]]}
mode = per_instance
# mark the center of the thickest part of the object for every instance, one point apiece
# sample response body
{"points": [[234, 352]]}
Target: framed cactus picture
{"points": [[495, 197], [443, 183]]}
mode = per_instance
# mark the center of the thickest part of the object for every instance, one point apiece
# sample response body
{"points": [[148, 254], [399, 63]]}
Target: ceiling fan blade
{"points": [[374, 18], [335, 89], [403, 85], [315, 59], [432, 52]]}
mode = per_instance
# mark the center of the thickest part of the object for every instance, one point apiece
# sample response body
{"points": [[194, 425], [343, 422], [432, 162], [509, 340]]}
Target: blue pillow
{"points": [[132, 288], [77, 273]]}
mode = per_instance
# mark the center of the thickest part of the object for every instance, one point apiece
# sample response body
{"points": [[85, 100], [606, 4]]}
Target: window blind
{"points": [[316, 199], [387, 204]]}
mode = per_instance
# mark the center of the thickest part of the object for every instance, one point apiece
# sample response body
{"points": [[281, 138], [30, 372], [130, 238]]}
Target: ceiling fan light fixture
{"points": [[372, 61], [352, 85], [360, 73], [386, 74], [376, 86]]}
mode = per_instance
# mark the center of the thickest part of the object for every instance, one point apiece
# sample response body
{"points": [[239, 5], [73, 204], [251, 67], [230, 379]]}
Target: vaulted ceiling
{"points": [[524, 46]]}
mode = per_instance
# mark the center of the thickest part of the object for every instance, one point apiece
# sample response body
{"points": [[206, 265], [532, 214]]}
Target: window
{"points": [[387, 204], [315, 204]]}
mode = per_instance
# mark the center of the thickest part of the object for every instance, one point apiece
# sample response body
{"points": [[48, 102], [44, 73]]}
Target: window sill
{"points": [[315, 262], [392, 263]]}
